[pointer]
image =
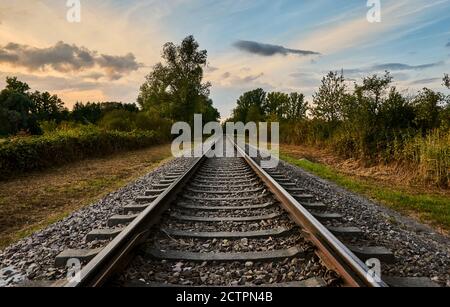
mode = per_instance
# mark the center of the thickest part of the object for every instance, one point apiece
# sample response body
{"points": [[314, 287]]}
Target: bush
{"points": [[40, 152]]}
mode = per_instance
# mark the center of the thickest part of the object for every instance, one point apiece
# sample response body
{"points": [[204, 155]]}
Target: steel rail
{"points": [[332, 251], [115, 254]]}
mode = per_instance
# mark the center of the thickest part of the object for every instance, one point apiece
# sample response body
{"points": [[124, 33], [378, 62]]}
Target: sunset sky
{"points": [[285, 45]]}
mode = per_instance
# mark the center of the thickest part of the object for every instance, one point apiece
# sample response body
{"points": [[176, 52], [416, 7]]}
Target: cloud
{"points": [[392, 67], [252, 78], [65, 58], [425, 81], [211, 68], [448, 44], [226, 75], [269, 50]]}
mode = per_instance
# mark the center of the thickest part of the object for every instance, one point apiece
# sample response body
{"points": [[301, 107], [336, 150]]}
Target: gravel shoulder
{"points": [[419, 250], [32, 258]]}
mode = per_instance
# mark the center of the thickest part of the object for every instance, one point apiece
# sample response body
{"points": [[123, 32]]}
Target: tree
{"points": [[275, 104], [396, 114], [47, 107], [175, 87], [374, 88], [296, 107], [16, 109], [254, 100], [91, 113], [427, 109], [328, 100], [447, 81], [14, 85]]}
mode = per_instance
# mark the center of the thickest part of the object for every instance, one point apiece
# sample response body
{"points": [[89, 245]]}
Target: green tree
{"points": [[296, 107], [374, 89], [48, 107], [427, 107], [447, 81], [254, 100], [175, 87], [275, 104], [328, 100], [16, 109]]}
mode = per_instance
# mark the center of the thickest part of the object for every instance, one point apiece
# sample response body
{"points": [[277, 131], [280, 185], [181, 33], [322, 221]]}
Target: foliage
{"points": [[446, 81], [429, 207], [175, 88], [92, 113], [257, 105], [21, 110], [122, 120], [63, 146], [330, 97], [374, 123]]}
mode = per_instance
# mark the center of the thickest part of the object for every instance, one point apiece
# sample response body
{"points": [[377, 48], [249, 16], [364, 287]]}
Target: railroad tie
{"points": [[326, 216], [134, 208], [154, 192], [201, 198], [313, 282], [121, 219], [103, 234], [319, 206], [214, 208], [83, 255], [226, 219], [228, 235], [146, 198], [345, 231], [368, 252], [246, 256]]}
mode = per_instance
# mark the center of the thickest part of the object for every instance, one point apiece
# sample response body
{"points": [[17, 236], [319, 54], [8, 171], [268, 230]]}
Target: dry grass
{"points": [[32, 202], [430, 205], [394, 174]]}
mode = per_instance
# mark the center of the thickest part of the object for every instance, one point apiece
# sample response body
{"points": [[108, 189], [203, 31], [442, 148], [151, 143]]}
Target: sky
{"points": [[278, 45]]}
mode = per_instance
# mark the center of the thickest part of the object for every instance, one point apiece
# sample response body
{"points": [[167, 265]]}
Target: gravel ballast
{"points": [[33, 258], [418, 249]]}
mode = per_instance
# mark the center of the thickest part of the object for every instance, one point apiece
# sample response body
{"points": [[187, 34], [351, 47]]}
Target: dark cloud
{"points": [[269, 50], [252, 78], [226, 75], [64, 58], [392, 67], [448, 44]]}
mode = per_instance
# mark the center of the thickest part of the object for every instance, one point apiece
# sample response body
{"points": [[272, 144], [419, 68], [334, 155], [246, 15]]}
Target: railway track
{"points": [[225, 222]]}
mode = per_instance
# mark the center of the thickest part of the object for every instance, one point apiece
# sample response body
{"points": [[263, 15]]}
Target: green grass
{"points": [[430, 208]]}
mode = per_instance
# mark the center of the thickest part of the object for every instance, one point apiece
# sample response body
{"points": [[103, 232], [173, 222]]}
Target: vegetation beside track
{"points": [[31, 202], [431, 208]]}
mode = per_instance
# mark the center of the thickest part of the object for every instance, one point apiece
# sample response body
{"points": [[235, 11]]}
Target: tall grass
{"points": [[428, 155], [432, 156]]}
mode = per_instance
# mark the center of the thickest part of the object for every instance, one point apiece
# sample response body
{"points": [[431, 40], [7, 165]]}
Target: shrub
{"points": [[40, 152]]}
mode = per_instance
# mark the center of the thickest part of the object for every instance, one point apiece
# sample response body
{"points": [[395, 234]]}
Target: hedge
{"points": [[41, 152]]}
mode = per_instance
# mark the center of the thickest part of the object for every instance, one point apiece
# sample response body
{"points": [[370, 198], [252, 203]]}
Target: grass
{"points": [[433, 209], [32, 202]]}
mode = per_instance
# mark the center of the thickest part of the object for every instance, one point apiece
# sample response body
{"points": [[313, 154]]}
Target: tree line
{"points": [[371, 120], [173, 91], [23, 110]]}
